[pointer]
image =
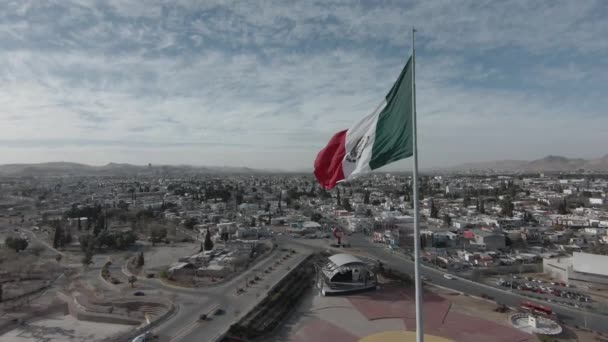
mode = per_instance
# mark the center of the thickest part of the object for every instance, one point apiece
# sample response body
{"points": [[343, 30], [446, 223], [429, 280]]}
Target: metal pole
{"points": [[419, 315]]}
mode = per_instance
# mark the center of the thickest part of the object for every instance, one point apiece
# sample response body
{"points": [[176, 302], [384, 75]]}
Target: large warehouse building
{"points": [[581, 269]]}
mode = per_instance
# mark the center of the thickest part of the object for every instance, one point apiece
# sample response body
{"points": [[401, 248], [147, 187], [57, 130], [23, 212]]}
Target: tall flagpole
{"points": [[418, 283]]}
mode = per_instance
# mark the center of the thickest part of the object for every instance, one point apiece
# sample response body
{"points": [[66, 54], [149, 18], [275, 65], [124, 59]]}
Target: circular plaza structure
{"points": [[532, 324], [343, 274]]}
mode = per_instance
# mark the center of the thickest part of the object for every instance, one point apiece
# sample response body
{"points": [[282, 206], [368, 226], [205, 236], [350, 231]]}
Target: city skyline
{"points": [[234, 84]]}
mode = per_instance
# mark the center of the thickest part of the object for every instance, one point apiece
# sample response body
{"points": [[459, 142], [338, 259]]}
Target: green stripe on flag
{"points": [[393, 139]]}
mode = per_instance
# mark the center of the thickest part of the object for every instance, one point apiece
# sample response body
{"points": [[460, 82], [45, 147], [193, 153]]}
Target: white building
{"points": [[359, 224], [446, 238], [596, 201], [582, 269]]}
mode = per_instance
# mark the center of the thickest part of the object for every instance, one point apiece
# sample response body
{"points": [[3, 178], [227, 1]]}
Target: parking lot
{"points": [[553, 292]]}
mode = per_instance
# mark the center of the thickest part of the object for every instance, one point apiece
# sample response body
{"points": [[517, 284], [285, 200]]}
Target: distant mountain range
{"points": [[67, 168], [547, 164]]}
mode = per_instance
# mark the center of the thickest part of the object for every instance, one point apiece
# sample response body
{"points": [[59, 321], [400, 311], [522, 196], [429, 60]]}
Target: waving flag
{"points": [[380, 138]]}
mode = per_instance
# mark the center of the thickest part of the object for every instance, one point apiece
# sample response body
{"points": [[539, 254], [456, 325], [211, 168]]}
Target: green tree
{"points": [[132, 280], [324, 194], [601, 249], [87, 259], [99, 225], [346, 205], [140, 259], [528, 218], [132, 192], [190, 222], [506, 207], [366, 197], [157, 234], [316, 217], [481, 206], [562, 207], [423, 241], [434, 210], [16, 243], [208, 243], [119, 242], [122, 205], [87, 241], [338, 201], [312, 192], [59, 236], [447, 220], [67, 237]]}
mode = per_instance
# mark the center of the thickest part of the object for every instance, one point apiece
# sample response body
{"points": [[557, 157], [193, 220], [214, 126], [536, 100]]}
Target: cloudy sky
{"points": [[265, 83]]}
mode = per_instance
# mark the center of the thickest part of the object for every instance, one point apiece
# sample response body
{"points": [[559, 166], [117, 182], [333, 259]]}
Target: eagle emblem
{"points": [[356, 152]]}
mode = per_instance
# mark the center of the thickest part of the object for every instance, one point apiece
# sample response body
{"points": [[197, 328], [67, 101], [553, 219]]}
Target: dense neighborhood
{"points": [[543, 236]]}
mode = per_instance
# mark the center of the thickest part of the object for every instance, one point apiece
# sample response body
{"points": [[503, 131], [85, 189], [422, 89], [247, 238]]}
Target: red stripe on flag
{"points": [[328, 165]]}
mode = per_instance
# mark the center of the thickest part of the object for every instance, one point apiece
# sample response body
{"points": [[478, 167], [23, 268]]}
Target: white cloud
{"points": [[236, 83]]}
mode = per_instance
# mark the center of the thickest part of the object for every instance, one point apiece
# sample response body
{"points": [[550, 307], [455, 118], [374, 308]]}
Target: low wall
{"points": [[277, 284], [23, 295], [8, 325], [141, 330], [79, 311], [479, 273]]}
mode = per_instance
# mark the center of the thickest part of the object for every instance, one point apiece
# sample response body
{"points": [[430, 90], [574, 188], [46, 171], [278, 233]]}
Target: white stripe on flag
{"points": [[359, 142]]}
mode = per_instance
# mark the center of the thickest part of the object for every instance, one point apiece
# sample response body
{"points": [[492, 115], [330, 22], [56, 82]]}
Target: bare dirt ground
{"points": [[162, 255], [472, 306], [62, 328], [485, 308]]}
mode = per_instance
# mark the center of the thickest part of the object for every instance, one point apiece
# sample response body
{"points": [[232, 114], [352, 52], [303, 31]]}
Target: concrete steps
{"points": [[152, 312]]}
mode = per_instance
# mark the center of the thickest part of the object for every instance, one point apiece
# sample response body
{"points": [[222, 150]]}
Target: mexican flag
{"points": [[380, 138]]}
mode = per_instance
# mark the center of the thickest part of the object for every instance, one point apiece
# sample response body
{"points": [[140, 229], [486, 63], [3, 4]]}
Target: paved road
{"points": [[191, 303], [404, 264]]}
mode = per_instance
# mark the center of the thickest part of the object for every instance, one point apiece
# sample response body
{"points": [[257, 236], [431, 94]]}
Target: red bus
{"points": [[536, 308]]}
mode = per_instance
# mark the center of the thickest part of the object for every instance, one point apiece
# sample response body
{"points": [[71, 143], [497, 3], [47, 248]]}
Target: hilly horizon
{"points": [[61, 167], [550, 163]]}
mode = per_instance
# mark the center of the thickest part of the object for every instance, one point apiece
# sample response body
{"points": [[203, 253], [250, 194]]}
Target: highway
{"points": [[404, 264], [192, 302]]}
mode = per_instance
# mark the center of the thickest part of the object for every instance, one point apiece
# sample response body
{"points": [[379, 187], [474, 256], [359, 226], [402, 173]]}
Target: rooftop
{"points": [[344, 259]]}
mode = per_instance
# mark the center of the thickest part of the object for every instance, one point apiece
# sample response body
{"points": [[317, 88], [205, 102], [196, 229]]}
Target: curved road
{"points": [[184, 325]]}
